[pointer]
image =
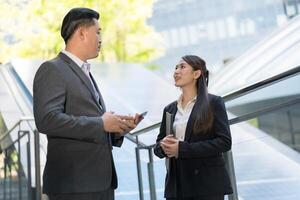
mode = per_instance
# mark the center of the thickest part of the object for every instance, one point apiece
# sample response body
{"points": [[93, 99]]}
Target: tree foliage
{"points": [[35, 27]]}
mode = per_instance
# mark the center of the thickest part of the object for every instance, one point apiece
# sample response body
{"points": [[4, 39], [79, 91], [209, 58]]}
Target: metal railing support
{"points": [[29, 169], [19, 165], [9, 164], [139, 173], [38, 191], [230, 168], [151, 175]]}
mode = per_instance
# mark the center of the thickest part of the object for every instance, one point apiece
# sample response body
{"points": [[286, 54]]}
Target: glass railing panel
{"points": [[274, 94], [282, 124], [264, 167]]}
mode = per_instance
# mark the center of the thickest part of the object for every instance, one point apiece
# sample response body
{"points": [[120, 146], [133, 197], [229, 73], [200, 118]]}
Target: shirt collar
{"points": [[179, 105], [74, 58]]}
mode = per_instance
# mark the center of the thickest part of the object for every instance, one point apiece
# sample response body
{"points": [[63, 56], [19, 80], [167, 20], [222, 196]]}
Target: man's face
{"points": [[92, 40]]}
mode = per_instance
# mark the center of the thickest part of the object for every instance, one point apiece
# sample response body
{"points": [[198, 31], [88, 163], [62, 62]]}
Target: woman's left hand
{"points": [[170, 146]]}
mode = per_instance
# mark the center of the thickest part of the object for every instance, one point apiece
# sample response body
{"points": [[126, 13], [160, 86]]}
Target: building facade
{"points": [[216, 30]]}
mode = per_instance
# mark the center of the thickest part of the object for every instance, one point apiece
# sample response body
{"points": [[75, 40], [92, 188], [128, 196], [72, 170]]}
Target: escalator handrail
{"points": [[238, 93], [262, 84]]}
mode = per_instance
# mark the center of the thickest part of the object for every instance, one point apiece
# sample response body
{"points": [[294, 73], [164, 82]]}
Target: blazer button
{"points": [[196, 171]]}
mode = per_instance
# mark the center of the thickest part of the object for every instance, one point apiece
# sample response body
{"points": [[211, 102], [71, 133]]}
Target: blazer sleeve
{"points": [[117, 141], [158, 151], [221, 142], [49, 97]]}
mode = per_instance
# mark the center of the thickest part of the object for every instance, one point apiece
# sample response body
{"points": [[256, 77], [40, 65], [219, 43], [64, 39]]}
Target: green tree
{"points": [[9, 9], [126, 36]]}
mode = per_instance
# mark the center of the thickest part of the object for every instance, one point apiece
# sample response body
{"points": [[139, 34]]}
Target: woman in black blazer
{"points": [[201, 134]]}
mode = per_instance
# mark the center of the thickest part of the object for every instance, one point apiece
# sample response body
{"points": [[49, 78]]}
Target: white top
{"points": [[77, 60], [84, 66], [182, 117]]}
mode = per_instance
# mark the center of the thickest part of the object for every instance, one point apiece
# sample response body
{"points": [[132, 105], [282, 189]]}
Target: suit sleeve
{"points": [[117, 141], [221, 142], [49, 98], [158, 151]]}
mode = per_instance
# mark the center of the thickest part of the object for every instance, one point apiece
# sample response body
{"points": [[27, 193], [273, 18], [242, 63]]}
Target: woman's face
{"points": [[185, 75]]}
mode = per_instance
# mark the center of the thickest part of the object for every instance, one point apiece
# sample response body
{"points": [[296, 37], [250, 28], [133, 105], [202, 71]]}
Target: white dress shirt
{"points": [[84, 66], [77, 60], [182, 117]]}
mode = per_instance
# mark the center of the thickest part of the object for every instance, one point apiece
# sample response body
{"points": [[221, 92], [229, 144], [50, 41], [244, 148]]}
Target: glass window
{"points": [[174, 38], [183, 39], [211, 30], [221, 30], [201, 31], [192, 32], [231, 26]]}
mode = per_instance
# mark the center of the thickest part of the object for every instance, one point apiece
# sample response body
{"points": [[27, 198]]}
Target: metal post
{"points": [[230, 168], [10, 176], [38, 193], [5, 174], [19, 166], [285, 8], [29, 168], [139, 170], [151, 175]]}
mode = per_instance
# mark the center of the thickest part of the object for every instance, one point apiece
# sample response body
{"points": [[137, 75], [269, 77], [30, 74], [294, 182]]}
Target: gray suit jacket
{"points": [[79, 157]]}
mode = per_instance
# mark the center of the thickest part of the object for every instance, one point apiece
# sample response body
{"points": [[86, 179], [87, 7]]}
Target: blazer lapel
{"points": [[76, 69], [190, 125], [100, 96]]}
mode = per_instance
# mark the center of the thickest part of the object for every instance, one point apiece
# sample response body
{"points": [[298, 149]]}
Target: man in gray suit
{"points": [[69, 109]]}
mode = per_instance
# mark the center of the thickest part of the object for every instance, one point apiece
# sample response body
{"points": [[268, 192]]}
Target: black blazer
{"points": [[79, 157], [200, 167]]}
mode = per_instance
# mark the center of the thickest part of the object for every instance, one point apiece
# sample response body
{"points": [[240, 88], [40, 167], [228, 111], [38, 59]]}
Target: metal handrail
{"points": [[36, 152], [145, 130], [261, 84], [264, 111], [25, 118], [237, 93]]}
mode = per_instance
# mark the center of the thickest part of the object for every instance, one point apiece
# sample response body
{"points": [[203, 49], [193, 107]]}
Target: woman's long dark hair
{"points": [[203, 113]]}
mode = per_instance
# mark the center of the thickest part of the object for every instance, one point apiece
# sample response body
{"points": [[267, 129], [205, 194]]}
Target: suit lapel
{"points": [[100, 96], [76, 69], [190, 125]]}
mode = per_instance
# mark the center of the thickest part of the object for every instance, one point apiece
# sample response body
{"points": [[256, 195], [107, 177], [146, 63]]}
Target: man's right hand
{"points": [[116, 123]]}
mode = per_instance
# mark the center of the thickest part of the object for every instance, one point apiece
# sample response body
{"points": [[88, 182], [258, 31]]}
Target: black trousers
{"points": [[104, 195], [200, 198], [179, 192]]}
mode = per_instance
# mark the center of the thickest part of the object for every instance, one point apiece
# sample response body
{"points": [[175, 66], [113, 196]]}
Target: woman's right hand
{"points": [[166, 139], [169, 146]]}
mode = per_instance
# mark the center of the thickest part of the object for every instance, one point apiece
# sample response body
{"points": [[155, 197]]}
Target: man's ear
{"points": [[197, 74], [81, 33]]}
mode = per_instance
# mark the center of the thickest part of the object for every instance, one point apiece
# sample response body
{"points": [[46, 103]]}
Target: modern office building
{"points": [[216, 30]]}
